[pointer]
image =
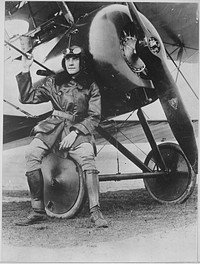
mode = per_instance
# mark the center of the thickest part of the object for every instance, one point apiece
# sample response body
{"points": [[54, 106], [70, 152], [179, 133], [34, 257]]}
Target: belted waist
{"points": [[68, 116]]}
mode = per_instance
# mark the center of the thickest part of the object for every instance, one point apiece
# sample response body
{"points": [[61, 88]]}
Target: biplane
{"points": [[129, 44]]}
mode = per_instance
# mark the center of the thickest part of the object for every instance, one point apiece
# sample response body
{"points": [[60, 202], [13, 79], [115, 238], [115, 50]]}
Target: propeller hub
{"points": [[154, 45]]}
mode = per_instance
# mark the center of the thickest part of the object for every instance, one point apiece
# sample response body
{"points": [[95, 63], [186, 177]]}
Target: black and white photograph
{"points": [[100, 121]]}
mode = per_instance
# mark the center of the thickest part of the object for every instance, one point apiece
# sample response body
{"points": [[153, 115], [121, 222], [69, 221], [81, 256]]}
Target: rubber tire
{"points": [[157, 187]]}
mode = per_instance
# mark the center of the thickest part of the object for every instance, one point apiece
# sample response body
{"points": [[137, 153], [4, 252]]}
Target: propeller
{"points": [[151, 50]]}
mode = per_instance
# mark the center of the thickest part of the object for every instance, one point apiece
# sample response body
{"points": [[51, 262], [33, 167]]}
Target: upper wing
{"points": [[38, 12], [178, 26], [46, 18], [177, 23]]}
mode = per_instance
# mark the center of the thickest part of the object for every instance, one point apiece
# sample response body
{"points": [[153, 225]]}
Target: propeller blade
{"points": [[140, 26], [176, 113], [172, 104], [151, 51]]}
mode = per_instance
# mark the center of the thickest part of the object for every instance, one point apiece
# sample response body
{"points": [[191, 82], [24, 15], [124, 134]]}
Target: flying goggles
{"points": [[73, 51]]}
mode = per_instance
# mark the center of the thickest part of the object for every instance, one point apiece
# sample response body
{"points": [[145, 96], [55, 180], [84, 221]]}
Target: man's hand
{"points": [[27, 62], [68, 140]]}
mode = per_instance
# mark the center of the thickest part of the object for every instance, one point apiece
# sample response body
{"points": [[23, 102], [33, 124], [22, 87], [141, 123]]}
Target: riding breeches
{"points": [[37, 150]]}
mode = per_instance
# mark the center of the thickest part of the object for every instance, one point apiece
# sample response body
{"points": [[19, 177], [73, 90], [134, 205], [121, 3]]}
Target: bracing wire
{"points": [[119, 131], [118, 128], [182, 74]]}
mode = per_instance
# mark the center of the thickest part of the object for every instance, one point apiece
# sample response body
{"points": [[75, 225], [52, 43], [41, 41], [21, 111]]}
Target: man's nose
{"points": [[71, 61]]}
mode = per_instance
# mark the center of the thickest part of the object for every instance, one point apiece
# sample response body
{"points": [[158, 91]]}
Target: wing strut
{"points": [[156, 152]]}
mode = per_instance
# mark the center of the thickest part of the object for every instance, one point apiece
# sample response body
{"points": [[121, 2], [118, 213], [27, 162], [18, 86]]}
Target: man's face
{"points": [[72, 64]]}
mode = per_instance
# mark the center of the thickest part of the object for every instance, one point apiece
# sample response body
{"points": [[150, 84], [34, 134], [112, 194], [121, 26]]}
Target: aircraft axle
{"points": [[130, 176]]}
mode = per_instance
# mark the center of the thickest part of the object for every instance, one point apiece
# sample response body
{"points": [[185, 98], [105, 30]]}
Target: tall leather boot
{"points": [[92, 184], [36, 186]]}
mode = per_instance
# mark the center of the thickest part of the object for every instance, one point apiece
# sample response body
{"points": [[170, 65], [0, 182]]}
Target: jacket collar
{"points": [[82, 78]]}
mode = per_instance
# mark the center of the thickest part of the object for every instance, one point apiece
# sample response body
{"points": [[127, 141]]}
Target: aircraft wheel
{"points": [[64, 186], [178, 184]]}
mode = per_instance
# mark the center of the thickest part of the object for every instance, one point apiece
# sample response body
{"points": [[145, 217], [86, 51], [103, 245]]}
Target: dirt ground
{"points": [[140, 229], [129, 213]]}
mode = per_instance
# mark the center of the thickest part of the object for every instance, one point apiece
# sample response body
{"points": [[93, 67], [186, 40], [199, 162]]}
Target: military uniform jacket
{"points": [[79, 98]]}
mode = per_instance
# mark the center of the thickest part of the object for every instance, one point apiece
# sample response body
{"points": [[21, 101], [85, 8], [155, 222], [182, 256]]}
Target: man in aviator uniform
{"points": [[77, 111]]}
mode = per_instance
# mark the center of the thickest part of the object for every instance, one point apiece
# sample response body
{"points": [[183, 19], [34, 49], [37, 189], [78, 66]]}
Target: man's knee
{"points": [[84, 155], [34, 154], [88, 164]]}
